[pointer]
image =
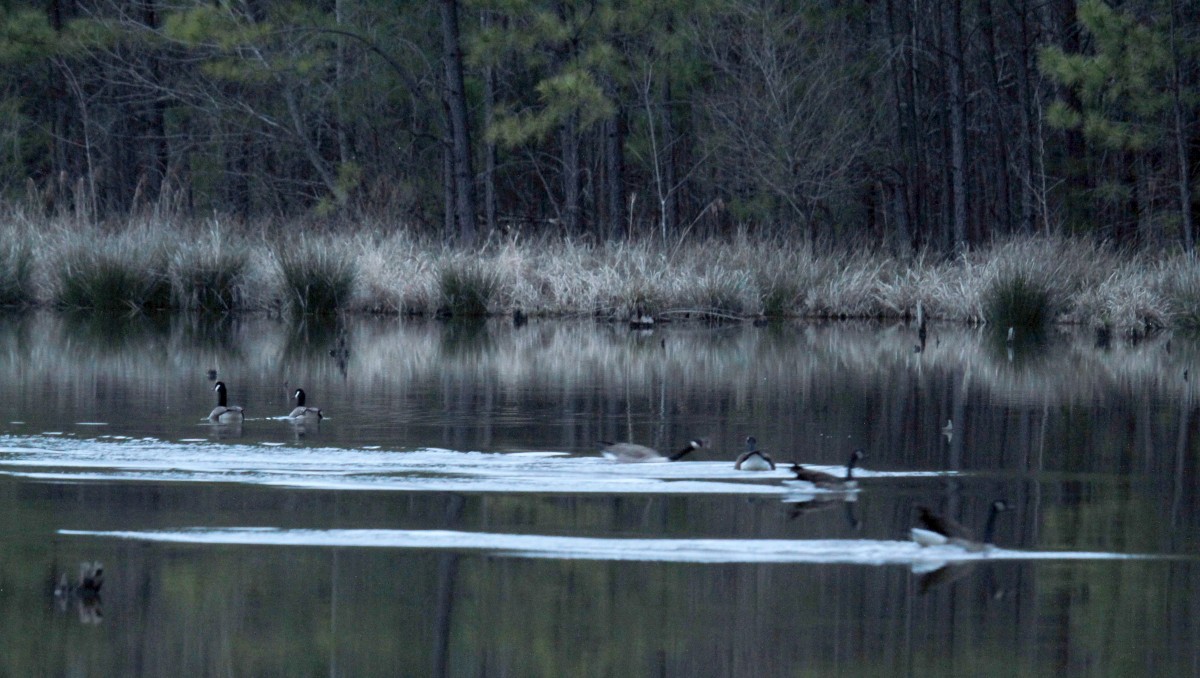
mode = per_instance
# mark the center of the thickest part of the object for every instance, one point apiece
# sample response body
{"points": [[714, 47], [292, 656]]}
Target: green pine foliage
{"points": [[1121, 84]]}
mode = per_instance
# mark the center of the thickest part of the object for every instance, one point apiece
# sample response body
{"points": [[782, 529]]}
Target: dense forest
{"points": [[918, 124]]}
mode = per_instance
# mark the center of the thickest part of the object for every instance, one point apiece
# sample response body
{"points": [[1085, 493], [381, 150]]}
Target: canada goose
{"points": [[223, 413], [302, 412], [939, 530], [808, 478], [629, 452], [753, 459], [641, 320]]}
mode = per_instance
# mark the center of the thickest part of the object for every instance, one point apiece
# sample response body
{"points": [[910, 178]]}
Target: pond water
{"points": [[451, 514]]}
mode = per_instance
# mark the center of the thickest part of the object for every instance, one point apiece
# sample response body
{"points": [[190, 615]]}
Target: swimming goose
{"points": [[223, 413], [629, 452], [302, 412], [808, 478], [939, 530], [753, 459]]}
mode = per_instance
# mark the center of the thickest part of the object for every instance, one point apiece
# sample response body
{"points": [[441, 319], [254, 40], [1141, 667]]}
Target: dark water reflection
{"points": [[1095, 446]]}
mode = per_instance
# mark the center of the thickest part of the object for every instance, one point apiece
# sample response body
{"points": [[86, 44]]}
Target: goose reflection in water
{"points": [[801, 503], [84, 592]]}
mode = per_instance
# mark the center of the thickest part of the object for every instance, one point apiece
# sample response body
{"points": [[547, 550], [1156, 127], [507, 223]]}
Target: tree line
{"points": [[922, 123]]}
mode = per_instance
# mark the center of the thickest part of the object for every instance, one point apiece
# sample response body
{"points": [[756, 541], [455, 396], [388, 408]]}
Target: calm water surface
{"points": [[451, 516]]}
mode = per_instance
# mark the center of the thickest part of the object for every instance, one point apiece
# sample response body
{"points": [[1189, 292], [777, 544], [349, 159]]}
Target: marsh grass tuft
{"points": [[113, 277], [466, 289], [1016, 298], [381, 267], [1183, 295], [318, 278], [16, 273], [207, 279], [727, 295]]}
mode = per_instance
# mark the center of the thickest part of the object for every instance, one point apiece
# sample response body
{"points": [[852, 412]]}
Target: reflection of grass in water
{"points": [[772, 368], [466, 337], [116, 332], [204, 331], [314, 336]]}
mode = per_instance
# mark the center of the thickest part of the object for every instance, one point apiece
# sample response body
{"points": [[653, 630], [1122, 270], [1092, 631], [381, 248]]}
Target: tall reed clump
{"points": [[466, 288], [114, 274], [1181, 288], [208, 278], [318, 276], [779, 295], [16, 273], [1018, 294]]}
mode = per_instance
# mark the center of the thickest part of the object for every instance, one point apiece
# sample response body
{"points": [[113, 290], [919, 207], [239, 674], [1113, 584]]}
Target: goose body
{"points": [[633, 453], [807, 479], [223, 413], [753, 459], [302, 411], [937, 530]]}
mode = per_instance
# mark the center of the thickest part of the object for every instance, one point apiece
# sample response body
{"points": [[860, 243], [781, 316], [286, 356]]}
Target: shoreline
{"points": [[380, 269]]}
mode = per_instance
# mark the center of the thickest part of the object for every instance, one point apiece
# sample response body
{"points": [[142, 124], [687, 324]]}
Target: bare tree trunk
{"points": [[921, 155], [670, 202], [614, 177], [952, 18], [1181, 125], [899, 186], [339, 66], [449, 194], [489, 149], [570, 174], [460, 133], [1001, 131], [1025, 146]]}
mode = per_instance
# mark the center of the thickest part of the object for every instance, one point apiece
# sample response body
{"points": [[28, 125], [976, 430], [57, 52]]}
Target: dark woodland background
{"points": [[917, 124]]}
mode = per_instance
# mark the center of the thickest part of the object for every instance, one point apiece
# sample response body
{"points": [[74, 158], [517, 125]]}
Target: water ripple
{"points": [[820, 551]]}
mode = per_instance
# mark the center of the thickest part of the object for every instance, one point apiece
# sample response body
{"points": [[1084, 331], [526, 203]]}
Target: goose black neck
{"points": [[989, 529], [850, 466], [300, 397], [221, 397], [680, 454]]}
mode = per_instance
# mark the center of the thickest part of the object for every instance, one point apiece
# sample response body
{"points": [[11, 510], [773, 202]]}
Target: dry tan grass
{"points": [[1089, 284]]}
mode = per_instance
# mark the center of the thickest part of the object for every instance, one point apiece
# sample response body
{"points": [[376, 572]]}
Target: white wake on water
{"points": [[424, 470], [818, 551]]}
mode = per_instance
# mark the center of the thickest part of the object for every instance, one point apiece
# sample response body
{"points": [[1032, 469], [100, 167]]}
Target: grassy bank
{"points": [[378, 269]]}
